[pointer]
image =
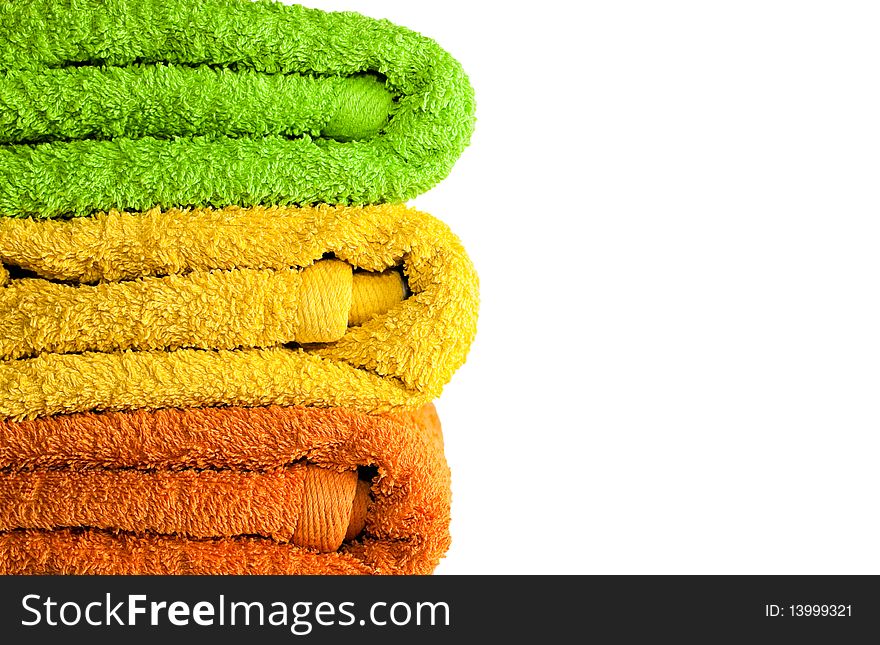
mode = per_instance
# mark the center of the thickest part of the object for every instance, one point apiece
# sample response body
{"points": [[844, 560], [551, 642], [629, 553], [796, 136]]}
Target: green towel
{"points": [[130, 104]]}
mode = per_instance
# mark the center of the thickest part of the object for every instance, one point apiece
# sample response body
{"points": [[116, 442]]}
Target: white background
{"points": [[674, 211]]}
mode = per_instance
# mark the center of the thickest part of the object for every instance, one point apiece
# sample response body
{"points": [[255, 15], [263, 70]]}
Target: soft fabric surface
{"points": [[164, 101], [200, 309], [131, 104], [395, 360], [407, 517], [302, 504]]}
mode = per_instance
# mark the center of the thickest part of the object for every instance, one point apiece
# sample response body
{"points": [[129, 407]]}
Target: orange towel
{"points": [[210, 463], [302, 504]]}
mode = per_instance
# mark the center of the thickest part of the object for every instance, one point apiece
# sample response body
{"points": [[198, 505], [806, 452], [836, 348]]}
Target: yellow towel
{"points": [[202, 309], [389, 359]]}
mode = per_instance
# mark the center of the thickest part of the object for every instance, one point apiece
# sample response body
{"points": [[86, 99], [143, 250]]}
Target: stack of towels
{"points": [[220, 328]]}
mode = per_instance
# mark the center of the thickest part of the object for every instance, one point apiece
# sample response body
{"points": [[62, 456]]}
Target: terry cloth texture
{"points": [[201, 309], [399, 358], [131, 104], [405, 529], [302, 504]]}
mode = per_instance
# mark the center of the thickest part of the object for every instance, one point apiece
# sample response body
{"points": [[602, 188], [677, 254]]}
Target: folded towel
{"points": [[302, 504], [173, 491], [186, 308], [130, 104], [216, 355], [202, 309]]}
